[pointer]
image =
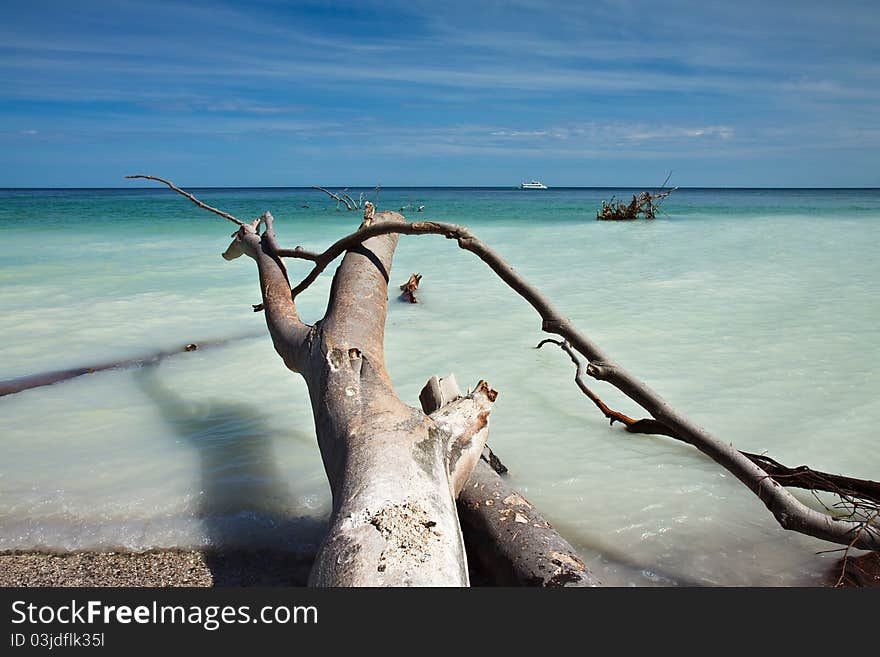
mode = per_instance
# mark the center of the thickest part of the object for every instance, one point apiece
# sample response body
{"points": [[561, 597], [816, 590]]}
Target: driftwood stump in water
{"points": [[408, 289], [643, 205]]}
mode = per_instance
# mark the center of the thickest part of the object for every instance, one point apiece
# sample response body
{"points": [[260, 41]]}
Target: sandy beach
{"points": [[185, 568], [154, 568]]}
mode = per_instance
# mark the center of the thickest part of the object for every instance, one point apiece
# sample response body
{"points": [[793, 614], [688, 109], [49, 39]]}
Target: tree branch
{"points": [[192, 198], [799, 477], [787, 509], [338, 198]]}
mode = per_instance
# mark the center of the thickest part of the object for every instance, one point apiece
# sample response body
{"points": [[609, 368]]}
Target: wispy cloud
{"points": [[535, 79]]}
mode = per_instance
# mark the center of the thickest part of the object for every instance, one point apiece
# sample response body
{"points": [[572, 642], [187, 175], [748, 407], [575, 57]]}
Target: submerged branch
{"points": [[22, 383], [787, 509], [847, 488]]}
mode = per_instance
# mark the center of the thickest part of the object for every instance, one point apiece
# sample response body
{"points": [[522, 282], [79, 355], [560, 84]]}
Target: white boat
{"points": [[533, 184]]}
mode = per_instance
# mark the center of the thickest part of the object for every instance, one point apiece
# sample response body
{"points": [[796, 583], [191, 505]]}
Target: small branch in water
{"points": [[20, 384], [847, 488], [408, 289]]}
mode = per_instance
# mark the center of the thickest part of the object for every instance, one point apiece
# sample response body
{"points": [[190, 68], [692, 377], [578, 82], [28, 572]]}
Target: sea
{"points": [[755, 312]]}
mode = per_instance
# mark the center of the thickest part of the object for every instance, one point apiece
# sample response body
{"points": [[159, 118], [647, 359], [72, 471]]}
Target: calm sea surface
{"points": [[755, 312]]}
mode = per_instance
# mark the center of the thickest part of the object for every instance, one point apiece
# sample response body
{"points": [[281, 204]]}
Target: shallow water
{"points": [[755, 312]]}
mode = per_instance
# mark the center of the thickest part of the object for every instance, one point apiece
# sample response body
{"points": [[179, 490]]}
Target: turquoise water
{"points": [[755, 312]]}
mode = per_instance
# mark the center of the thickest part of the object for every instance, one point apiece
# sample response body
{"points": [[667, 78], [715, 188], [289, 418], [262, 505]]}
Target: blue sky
{"points": [[274, 93]]}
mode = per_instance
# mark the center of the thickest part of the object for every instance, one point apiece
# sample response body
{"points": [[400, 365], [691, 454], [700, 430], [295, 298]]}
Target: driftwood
{"points": [[341, 198], [860, 498], [387, 493], [408, 289], [503, 531], [788, 510], [511, 540], [22, 383], [644, 205], [394, 472]]}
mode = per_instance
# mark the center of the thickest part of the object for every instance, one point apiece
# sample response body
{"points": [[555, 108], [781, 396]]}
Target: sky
{"points": [[599, 93]]}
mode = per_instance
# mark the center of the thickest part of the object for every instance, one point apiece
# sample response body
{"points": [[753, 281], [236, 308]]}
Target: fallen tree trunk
{"points": [[788, 510], [505, 534], [393, 471], [511, 540]]}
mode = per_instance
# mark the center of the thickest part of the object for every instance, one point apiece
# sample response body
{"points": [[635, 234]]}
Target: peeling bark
{"points": [[511, 540]]}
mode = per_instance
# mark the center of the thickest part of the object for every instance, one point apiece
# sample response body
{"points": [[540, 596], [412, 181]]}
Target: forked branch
{"points": [[788, 510], [847, 488], [342, 197]]}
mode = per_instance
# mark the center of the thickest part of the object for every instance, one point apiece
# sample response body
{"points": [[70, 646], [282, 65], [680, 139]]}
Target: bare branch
{"points": [[845, 560], [800, 477], [19, 384], [339, 199], [192, 198], [663, 186], [612, 415], [351, 204], [788, 510]]}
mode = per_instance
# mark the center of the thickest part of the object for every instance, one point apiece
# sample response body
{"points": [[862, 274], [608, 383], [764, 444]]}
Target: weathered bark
{"points": [[511, 540], [408, 289], [394, 472], [367, 435], [505, 534]]}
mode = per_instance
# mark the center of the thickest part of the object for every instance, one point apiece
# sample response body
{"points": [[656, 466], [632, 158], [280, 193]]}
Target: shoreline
{"points": [[169, 567], [154, 568]]}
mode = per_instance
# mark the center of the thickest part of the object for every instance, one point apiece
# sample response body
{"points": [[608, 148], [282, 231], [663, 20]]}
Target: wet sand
{"points": [[154, 568], [265, 568]]}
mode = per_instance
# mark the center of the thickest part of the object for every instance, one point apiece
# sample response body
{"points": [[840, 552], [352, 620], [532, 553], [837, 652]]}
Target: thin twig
{"points": [[338, 198], [663, 186], [850, 546], [612, 415], [192, 198]]}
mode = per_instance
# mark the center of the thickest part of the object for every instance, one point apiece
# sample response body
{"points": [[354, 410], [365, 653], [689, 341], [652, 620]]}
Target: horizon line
{"points": [[384, 187]]}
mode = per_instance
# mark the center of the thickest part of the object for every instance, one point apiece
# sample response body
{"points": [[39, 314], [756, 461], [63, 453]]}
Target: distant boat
{"points": [[533, 184]]}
